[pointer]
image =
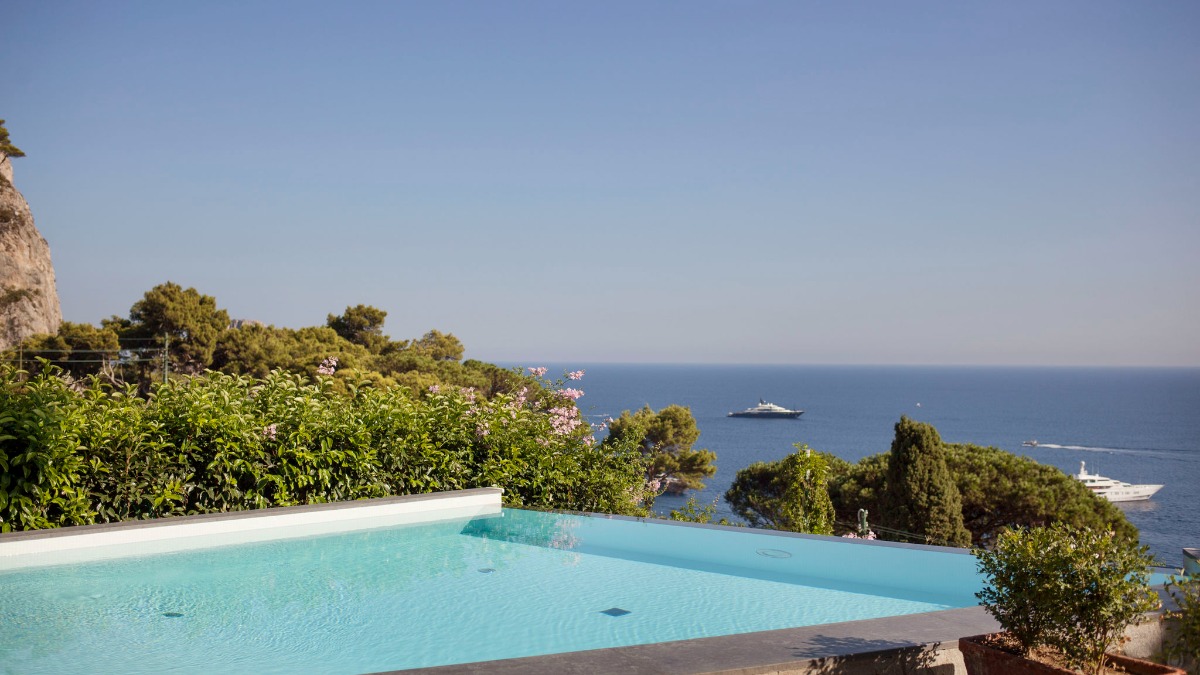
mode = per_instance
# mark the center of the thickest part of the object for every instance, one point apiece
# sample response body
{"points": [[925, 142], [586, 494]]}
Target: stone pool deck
{"points": [[915, 643], [897, 645]]}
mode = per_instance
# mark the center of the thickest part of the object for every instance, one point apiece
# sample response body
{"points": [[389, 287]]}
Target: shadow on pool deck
{"points": [[914, 643]]}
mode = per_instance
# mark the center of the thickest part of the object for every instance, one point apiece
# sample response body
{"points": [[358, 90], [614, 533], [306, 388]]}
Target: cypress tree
{"points": [[920, 495]]}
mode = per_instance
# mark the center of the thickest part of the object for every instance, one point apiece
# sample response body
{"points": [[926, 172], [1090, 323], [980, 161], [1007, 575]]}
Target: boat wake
{"points": [[1089, 448], [1153, 452]]}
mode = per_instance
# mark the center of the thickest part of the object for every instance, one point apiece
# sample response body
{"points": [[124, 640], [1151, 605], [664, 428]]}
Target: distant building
{"points": [[242, 323]]}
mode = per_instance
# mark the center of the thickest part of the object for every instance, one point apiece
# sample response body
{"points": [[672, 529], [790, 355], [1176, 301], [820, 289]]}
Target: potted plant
{"points": [[1064, 596]]}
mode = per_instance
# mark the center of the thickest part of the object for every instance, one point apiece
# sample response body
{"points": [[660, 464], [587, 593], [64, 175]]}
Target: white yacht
{"points": [[1114, 490], [764, 409]]}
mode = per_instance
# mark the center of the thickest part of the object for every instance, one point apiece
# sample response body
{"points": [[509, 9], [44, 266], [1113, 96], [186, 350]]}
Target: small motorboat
{"points": [[1032, 443]]}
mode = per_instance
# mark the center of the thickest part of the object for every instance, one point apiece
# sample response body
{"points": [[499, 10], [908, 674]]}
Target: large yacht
{"points": [[764, 409], [1114, 490]]}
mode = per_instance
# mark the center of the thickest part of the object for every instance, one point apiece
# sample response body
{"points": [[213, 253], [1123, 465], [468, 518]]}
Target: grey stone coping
{"points": [[853, 646]]}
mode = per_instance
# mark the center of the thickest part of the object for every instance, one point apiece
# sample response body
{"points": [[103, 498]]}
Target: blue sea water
{"points": [[1138, 425]]}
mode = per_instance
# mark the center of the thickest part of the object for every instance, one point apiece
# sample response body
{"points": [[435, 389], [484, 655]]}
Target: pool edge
{"points": [[890, 644], [238, 525]]}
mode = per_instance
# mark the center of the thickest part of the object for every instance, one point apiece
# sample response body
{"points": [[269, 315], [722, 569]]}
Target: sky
{"points": [[681, 182]]}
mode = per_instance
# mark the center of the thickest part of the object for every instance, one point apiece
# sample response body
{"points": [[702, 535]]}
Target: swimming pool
{"points": [[454, 585]]}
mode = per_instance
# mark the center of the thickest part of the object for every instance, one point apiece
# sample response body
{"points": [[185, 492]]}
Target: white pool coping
{"points": [[166, 535]]}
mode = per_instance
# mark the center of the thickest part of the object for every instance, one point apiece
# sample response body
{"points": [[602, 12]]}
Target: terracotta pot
{"points": [[984, 660]]}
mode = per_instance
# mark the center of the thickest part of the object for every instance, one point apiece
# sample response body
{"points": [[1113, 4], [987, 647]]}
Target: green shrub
{"points": [[1183, 647], [217, 442], [1075, 590], [788, 494], [40, 464]]}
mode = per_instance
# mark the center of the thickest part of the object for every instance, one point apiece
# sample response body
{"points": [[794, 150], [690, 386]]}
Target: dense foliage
{"points": [[79, 348], [197, 335], [1183, 643], [920, 495], [998, 490], [1074, 590], [188, 320], [77, 453], [666, 438], [789, 494]]}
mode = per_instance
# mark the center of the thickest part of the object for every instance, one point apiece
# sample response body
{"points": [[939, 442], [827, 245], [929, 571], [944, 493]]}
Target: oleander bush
{"points": [[78, 452]]}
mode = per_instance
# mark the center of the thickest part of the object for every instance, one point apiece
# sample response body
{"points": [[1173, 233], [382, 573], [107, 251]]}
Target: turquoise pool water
{"points": [[519, 584]]}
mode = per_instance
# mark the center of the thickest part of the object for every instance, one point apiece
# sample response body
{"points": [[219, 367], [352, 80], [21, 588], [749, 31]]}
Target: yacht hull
{"points": [[1114, 490], [1133, 493]]}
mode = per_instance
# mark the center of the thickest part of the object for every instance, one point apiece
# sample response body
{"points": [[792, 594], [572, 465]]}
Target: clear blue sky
{"points": [[787, 182]]}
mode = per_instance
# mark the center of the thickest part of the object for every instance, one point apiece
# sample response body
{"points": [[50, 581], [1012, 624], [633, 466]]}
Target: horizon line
{"points": [[584, 362]]}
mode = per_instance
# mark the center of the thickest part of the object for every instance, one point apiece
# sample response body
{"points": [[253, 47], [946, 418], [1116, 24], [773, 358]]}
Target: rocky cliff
{"points": [[28, 297]]}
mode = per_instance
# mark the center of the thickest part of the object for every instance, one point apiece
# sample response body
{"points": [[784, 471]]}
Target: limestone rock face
{"points": [[28, 297]]}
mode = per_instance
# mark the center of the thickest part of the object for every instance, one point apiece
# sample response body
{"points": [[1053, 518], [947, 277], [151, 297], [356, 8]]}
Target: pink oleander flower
{"points": [[328, 366], [519, 401], [268, 432], [537, 372], [589, 440], [433, 389], [572, 394], [481, 431], [575, 375], [654, 485], [564, 419], [854, 535], [468, 394]]}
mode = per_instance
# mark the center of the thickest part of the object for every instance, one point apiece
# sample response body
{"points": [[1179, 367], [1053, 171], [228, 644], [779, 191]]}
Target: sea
{"points": [[1138, 425]]}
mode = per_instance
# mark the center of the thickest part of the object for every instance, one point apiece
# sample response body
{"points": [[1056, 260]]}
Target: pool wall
{"points": [[96, 542]]}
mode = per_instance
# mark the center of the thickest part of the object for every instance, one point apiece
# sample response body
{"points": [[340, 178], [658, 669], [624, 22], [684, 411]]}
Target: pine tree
{"points": [[920, 495], [189, 319], [6, 146]]}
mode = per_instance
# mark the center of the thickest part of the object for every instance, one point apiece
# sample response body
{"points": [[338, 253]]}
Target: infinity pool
{"points": [[454, 590]]}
